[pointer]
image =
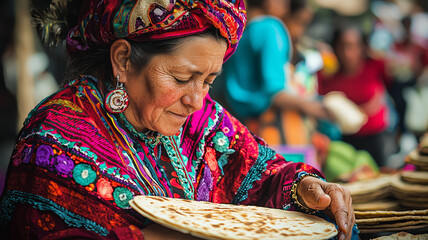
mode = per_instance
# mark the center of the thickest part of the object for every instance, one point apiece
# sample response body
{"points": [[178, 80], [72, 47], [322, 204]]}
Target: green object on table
{"points": [[344, 158]]}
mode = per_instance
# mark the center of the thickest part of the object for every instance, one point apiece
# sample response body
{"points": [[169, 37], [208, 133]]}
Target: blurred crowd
{"points": [[340, 84]]}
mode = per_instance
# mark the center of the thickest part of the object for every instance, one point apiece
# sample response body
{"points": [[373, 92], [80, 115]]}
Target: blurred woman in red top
{"points": [[362, 80]]}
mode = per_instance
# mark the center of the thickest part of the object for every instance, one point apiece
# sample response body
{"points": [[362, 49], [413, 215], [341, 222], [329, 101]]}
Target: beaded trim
{"points": [[172, 148], [255, 174], [294, 196]]}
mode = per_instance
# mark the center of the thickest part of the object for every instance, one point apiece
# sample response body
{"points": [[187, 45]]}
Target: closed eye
{"points": [[180, 81], [210, 85]]}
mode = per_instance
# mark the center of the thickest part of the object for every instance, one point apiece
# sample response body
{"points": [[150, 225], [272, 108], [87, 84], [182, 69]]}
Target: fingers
{"points": [[317, 194], [341, 207], [312, 194]]}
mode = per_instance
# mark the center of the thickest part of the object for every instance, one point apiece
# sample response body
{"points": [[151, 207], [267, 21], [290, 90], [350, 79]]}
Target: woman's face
{"points": [[298, 22], [277, 8], [172, 86], [350, 49]]}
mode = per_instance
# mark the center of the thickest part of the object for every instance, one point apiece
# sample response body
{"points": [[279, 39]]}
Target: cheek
{"points": [[167, 97]]}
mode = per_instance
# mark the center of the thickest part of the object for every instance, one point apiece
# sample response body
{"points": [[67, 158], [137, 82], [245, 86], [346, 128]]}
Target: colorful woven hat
{"points": [[102, 21]]}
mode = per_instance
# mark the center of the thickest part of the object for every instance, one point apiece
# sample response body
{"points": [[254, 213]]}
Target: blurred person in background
{"points": [[407, 61], [363, 80], [258, 81]]}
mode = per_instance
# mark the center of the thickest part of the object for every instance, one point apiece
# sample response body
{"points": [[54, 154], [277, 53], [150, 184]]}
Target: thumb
{"points": [[316, 197]]}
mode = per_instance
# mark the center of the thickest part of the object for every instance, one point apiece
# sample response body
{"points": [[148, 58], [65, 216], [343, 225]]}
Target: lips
{"points": [[180, 116]]}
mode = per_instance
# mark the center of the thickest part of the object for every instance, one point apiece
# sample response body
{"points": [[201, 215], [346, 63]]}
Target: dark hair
{"points": [[338, 32], [297, 5], [96, 62], [255, 3]]}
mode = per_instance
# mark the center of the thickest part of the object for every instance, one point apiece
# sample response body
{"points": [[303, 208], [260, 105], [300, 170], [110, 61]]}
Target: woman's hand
{"points": [[334, 199], [157, 231]]}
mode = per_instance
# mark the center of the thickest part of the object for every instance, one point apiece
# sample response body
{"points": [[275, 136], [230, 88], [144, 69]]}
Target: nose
{"points": [[194, 97]]}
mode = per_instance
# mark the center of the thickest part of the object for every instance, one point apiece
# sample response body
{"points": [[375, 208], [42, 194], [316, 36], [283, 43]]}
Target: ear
{"points": [[120, 51]]}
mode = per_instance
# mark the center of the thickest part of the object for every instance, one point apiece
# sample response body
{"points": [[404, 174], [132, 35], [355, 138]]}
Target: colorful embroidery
{"points": [[254, 174], [104, 189], [84, 175], [221, 142], [11, 198], [43, 155], [86, 166], [63, 164], [122, 196]]}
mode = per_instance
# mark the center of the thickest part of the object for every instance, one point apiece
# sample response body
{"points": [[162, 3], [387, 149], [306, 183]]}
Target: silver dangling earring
{"points": [[116, 101]]}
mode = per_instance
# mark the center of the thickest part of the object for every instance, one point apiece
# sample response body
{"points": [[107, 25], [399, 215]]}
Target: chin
{"points": [[169, 131]]}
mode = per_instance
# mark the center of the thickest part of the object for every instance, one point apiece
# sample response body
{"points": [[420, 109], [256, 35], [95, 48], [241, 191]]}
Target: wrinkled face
{"points": [[172, 86], [350, 49]]}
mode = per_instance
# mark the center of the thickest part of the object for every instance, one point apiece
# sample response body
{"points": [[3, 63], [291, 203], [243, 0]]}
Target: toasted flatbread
{"points": [[403, 236], [365, 198], [382, 230], [375, 221], [378, 214], [418, 177], [410, 189], [369, 186], [416, 159], [414, 197], [225, 221], [377, 205], [414, 204], [393, 224], [423, 145]]}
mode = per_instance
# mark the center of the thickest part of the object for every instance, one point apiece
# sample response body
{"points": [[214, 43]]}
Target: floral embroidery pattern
{"points": [[64, 164], [84, 175], [27, 154], [105, 189], [224, 158], [221, 142], [45, 222], [53, 189], [43, 155], [122, 196]]}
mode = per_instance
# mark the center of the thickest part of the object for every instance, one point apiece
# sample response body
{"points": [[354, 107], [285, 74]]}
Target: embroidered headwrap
{"points": [[102, 21]]}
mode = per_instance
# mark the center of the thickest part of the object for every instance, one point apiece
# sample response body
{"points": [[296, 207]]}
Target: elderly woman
{"points": [[138, 120]]}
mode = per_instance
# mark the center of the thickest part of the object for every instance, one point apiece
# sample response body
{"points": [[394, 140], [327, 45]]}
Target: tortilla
{"points": [[375, 221], [377, 205], [381, 194], [423, 145], [377, 214], [382, 230], [418, 177], [409, 189], [412, 197], [403, 236], [395, 224], [414, 205], [225, 221], [416, 159], [369, 186]]}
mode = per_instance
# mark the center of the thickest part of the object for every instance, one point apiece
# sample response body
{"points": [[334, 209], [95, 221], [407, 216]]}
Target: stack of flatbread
{"points": [[403, 236], [225, 221], [373, 194], [391, 221], [411, 188]]}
